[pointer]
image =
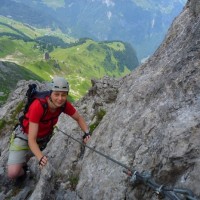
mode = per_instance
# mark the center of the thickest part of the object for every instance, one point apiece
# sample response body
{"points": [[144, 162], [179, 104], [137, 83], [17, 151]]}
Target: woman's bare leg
{"points": [[15, 171]]}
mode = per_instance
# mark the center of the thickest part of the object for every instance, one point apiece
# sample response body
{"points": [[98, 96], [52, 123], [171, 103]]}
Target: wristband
{"points": [[86, 134]]}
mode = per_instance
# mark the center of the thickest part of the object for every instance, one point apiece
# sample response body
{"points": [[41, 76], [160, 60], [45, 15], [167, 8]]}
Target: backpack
{"points": [[31, 94]]}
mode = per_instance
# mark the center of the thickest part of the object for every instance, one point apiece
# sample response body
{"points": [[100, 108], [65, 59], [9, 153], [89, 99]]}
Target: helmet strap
{"points": [[52, 101]]}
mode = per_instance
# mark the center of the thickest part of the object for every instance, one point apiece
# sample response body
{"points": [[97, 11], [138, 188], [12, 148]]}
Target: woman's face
{"points": [[59, 98]]}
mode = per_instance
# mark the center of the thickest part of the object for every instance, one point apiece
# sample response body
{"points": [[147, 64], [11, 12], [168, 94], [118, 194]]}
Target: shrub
{"points": [[99, 117]]}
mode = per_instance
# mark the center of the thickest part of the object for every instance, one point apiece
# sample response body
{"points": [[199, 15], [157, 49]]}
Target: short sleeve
{"points": [[35, 111], [69, 109]]}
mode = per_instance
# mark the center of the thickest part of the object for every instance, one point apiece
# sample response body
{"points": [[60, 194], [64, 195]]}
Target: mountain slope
{"points": [[142, 23], [10, 74], [47, 53]]}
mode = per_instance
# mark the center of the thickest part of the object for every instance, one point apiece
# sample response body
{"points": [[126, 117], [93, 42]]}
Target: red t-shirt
{"points": [[35, 114]]}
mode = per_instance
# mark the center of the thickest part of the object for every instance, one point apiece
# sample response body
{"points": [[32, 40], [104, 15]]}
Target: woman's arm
{"points": [[81, 122], [32, 142]]}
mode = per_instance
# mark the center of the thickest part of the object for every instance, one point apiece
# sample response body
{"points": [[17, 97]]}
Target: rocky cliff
{"points": [[150, 121]]}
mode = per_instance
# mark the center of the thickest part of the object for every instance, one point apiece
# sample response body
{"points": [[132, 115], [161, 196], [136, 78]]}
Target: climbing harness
{"points": [[19, 146], [144, 177], [18, 133]]}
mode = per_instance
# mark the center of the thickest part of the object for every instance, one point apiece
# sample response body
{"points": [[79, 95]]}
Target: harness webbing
{"points": [[14, 147]]}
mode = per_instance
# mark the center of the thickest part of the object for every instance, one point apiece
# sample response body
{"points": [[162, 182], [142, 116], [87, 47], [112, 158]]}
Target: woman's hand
{"points": [[42, 162], [86, 137]]}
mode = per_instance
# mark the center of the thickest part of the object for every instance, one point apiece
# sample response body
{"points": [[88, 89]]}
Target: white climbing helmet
{"points": [[60, 84]]}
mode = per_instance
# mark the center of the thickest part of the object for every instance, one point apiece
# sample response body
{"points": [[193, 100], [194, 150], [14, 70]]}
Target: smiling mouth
{"points": [[60, 103]]}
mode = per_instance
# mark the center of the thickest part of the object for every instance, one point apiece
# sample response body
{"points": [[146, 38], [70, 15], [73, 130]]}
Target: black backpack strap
{"points": [[63, 107], [45, 107], [32, 88]]}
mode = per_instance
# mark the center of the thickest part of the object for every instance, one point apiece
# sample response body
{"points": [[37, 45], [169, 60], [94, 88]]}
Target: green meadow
{"points": [[77, 60]]}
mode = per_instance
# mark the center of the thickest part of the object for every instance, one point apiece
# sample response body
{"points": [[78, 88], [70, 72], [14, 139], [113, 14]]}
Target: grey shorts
{"points": [[19, 150]]}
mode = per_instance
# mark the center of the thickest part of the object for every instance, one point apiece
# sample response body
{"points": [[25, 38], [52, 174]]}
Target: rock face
{"points": [[150, 122]]}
